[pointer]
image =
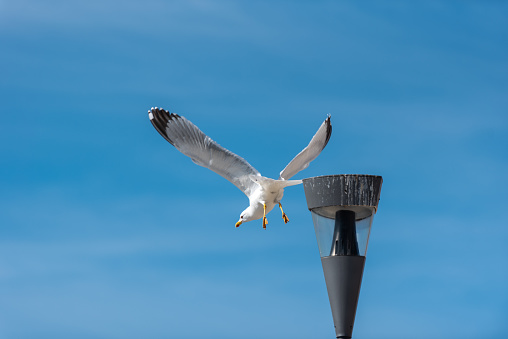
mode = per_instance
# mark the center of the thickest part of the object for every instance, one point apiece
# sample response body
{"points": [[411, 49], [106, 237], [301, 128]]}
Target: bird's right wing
{"points": [[309, 153], [188, 139]]}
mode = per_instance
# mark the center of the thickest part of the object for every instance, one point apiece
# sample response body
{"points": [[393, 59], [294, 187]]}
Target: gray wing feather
{"points": [[188, 139], [309, 153]]}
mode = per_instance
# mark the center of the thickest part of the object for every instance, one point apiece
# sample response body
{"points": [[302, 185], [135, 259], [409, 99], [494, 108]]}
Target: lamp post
{"points": [[342, 208]]}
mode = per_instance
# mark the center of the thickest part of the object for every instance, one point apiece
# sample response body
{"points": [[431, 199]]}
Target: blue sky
{"points": [[106, 231]]}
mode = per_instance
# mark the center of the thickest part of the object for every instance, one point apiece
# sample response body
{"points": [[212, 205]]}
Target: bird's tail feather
{"points": [[268, 182], [286, 183]]}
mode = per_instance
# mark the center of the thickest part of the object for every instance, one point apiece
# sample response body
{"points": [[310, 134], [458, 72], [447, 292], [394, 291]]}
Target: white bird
{"points": [[263, 193]]}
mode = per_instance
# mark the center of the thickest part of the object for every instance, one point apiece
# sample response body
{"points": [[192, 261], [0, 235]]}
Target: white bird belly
{"points": [[262, 196]]}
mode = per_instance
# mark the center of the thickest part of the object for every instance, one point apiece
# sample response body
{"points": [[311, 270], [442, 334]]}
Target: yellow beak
{"points": [[238, 223]]}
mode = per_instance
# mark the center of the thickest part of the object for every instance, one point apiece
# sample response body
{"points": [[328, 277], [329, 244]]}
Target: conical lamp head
{"points": [[342, 209]]}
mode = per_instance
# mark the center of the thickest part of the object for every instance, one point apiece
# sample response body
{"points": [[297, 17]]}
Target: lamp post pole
{"points": [[343, 207]]}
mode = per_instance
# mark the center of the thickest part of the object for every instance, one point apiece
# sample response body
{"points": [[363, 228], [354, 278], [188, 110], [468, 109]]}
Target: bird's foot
{"points": [[265, 222], [284, 216]]}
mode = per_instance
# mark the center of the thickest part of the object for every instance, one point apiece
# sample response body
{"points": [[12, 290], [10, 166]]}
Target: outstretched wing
{"points": [[309, 153], [189, 140]]}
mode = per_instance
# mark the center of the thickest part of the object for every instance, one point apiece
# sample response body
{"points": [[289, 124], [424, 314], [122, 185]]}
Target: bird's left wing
{"points": [[188, 139], [309, 153]]}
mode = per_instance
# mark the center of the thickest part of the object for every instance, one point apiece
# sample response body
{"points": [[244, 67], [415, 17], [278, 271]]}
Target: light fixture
{"points": [[342, 208]]}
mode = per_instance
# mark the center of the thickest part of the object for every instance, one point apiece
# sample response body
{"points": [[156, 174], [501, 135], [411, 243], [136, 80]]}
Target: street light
{"points": [[342, 208]]}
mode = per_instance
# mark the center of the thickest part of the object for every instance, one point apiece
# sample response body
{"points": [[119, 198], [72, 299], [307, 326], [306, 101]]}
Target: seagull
{"points": [[263, 193]]}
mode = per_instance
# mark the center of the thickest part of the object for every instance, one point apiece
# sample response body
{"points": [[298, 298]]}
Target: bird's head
{"points": [[245, 216]]}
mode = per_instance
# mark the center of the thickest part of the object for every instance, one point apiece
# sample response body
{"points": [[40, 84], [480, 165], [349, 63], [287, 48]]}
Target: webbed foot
{"points": [[265, 222], [284, 216]]}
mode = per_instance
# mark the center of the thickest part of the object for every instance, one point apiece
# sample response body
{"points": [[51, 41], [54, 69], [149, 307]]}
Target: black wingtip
{"points": [[328, 130], [160, 118]]}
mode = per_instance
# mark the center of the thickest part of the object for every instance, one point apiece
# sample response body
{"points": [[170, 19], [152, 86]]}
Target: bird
{"points": [[263, 193]]}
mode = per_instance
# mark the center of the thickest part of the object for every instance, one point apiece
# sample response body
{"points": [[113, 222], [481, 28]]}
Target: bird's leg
{"points": [[265, 222], [284, 216]]}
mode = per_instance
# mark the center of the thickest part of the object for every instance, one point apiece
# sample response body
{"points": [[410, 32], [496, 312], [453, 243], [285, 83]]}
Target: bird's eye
{"points": [[241, 217]]}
